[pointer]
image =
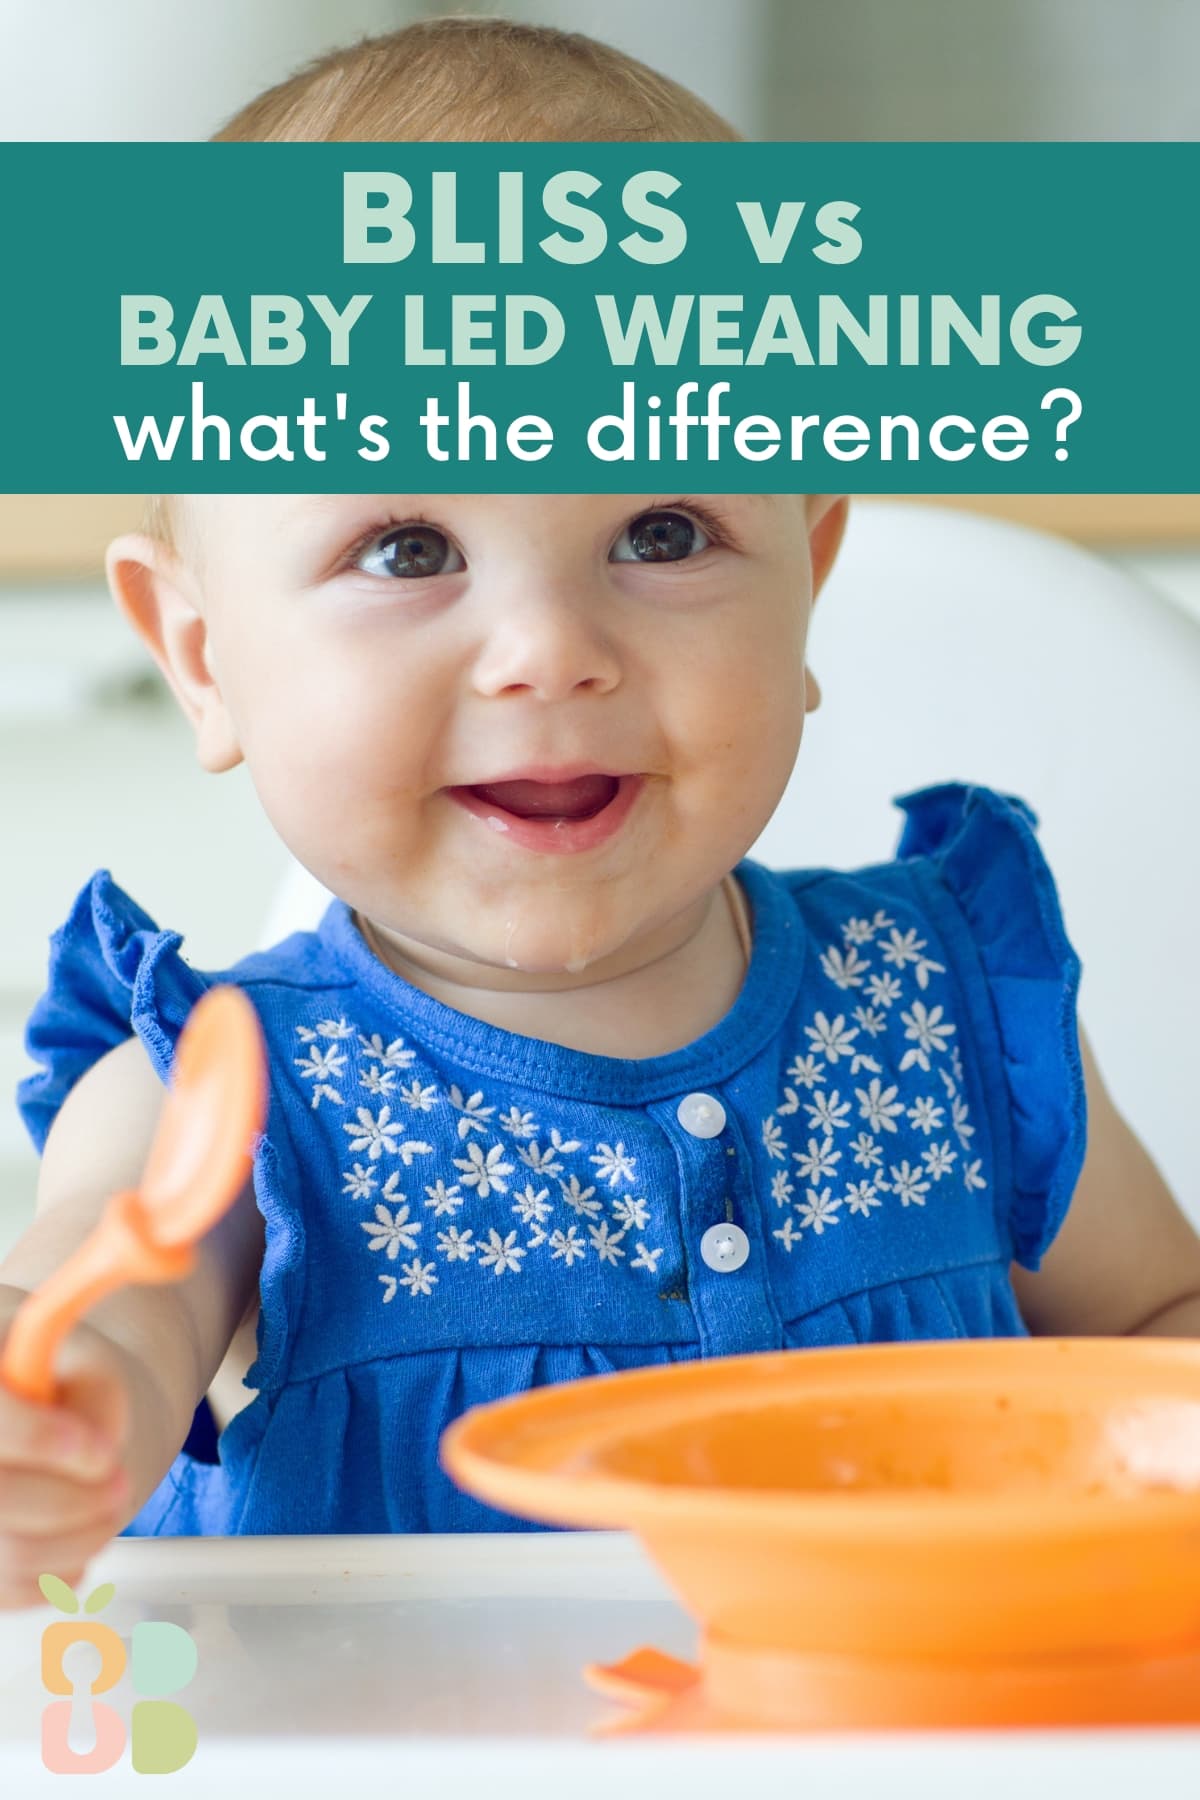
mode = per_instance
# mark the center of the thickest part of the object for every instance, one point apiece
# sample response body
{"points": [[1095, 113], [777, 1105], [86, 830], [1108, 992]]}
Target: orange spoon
{"points": [[198, 1164]]}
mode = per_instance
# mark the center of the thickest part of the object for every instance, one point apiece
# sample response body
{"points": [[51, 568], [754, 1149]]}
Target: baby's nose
{"points": [[549, 644]]}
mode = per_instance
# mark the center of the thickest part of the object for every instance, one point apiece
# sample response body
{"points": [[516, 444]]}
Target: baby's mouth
{"points": [[582, 798]]}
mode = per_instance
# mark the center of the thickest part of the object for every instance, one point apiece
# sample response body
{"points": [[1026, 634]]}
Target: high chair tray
{"points": [[453, 1666]]}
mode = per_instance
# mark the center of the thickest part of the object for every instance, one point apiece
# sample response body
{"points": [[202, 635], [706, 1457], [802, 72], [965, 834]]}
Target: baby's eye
{"points": [[660, 537], [410, 550]]}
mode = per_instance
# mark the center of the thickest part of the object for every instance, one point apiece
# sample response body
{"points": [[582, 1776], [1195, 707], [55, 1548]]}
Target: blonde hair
{"points": [[474, 78], [469, 78]]}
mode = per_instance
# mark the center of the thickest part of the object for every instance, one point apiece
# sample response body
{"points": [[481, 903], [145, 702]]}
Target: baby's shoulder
{"points": [[114, 974], [968, 868]]}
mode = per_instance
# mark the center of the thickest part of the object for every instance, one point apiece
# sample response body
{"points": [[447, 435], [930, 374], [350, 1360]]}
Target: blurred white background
{"points": [[869, 69]]}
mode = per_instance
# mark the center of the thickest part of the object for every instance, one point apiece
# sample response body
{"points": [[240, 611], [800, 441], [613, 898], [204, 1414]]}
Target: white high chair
{"points": [[955, 647]]}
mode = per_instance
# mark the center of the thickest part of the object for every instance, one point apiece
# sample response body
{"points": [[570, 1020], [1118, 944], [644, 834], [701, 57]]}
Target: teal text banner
{"points": [[567, 318]]}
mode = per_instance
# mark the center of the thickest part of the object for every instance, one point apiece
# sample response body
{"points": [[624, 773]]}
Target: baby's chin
{"points": [[570, 942], [551, 953]]}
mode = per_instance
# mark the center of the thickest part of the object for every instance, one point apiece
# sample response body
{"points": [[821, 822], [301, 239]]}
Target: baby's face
{"points": [[405, 676]]}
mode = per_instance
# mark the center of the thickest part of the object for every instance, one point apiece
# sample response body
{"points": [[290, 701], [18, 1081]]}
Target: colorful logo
{"points": [[162, 1660]]}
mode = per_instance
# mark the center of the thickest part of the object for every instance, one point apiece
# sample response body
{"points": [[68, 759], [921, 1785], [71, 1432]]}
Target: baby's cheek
{"points": [[757, 708]]}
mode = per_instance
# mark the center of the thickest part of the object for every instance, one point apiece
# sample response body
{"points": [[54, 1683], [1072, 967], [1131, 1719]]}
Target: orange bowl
{"points": [[972, 1502]]}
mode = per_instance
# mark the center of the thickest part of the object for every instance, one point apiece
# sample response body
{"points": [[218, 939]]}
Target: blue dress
{"points": [[891, 1113]]}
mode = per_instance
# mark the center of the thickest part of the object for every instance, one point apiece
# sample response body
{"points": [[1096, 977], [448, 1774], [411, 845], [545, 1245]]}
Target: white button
{"points": [[701, 1114], [724, 1247]]}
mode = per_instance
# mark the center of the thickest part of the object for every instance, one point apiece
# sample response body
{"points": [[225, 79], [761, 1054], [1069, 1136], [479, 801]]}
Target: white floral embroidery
{"points": [[456, 1245], [819, 1210], [831, 1040], [542, 1162], [421, 1099], [474, 1113], [772, 1137], [788, 1234], [360, 1183], [532, 1206], [781, 1188], [341, 1060], [829, 1111], [846, 968], [887, 1104], [958, 1118], [377, 1133], [903, 948], [925, 968], [908, 1184], [871, 1020], [925, 1114], [613, 1165], [418, 1277], [411, 1147], [378, 1080], [374, 1134], [631, 1214], [939, 1159], [484, 1173], [923, 1025], [369, 1062], [392, 1233], [443, 1199], [861, 1197], [578, 1198], [392, 1056], [500, 1254], [808, 1071], [321, 1065], [604, 1243], [818, 1160], [517, 1123], [568, 1245], [867, 1153], [884, 990], [879, 1106]]}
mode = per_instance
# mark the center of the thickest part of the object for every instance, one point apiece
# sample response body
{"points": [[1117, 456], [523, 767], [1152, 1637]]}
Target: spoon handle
{"points": [[115, 1252]]}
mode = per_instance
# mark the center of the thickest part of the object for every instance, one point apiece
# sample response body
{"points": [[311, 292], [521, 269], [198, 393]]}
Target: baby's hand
{"points": [[63, 1490]]}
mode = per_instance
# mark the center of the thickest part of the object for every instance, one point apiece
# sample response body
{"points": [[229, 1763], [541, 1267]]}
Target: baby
{"points": [[563, 1082]]}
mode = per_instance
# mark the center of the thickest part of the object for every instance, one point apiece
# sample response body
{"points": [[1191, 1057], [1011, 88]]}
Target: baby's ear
{"points": [[159, 595], [826, 526], [826, 519]]}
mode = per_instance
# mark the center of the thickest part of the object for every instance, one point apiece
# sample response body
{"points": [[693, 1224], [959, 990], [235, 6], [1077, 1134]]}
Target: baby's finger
{"points": [[23, 1559], [98, 1397], [35, 1504], [49, 1437]]}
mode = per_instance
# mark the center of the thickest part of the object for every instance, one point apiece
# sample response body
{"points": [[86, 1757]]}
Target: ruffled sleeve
{"points": [[982, 847], [112, 974]]}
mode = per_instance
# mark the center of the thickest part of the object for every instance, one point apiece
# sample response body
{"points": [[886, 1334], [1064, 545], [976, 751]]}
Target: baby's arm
{"points": [[168, 1340], [1126, 1259]]}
